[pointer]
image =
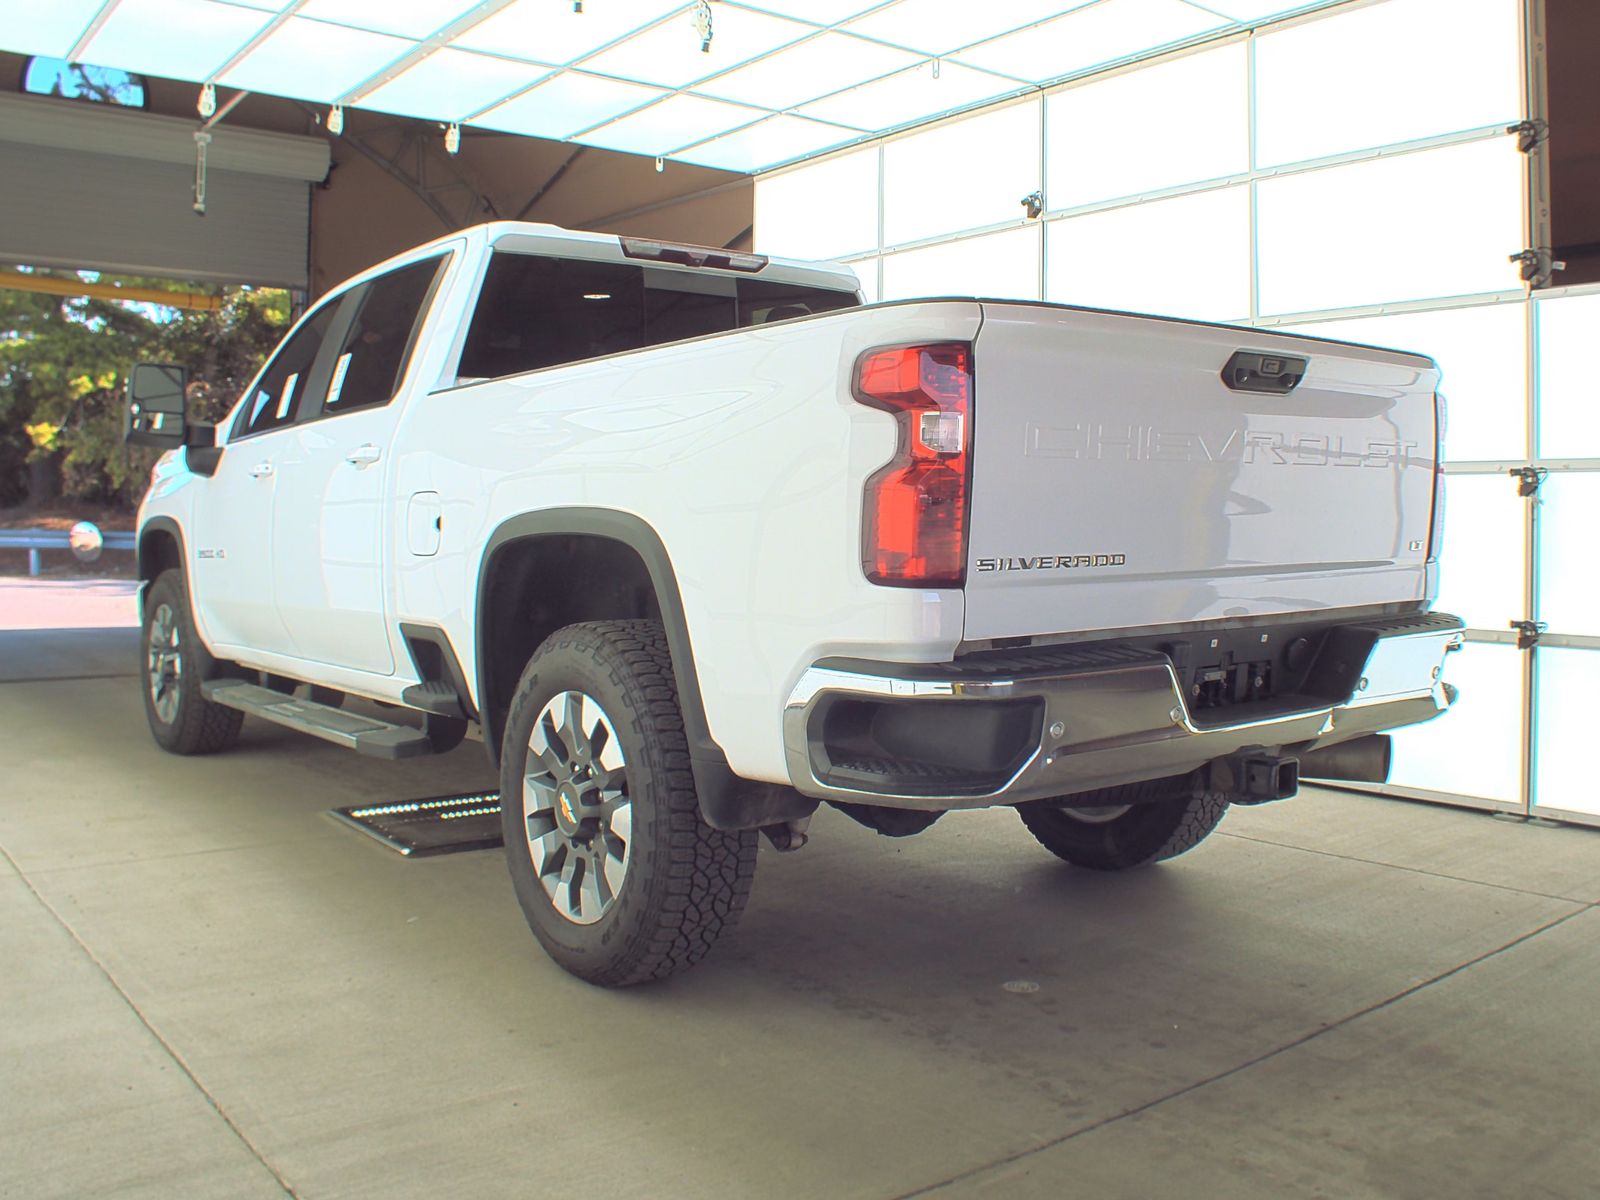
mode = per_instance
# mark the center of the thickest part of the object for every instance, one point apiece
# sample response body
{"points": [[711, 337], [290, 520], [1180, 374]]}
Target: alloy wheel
{"points": [[576, 807], [164, 664]]}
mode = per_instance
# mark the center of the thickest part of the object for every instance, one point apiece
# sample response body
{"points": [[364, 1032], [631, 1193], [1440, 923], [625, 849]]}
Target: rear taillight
{"points": [[914, 527]]}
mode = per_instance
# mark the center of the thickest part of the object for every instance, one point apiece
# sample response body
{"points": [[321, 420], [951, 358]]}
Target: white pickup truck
{"points": [[699, 541]]}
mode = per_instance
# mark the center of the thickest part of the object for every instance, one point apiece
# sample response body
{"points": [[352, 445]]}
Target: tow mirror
{"points": [[155, 406]]}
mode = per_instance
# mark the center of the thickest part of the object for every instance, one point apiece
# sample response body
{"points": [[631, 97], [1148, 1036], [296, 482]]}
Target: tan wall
{"points": [[362, 214], [1574, 29]]}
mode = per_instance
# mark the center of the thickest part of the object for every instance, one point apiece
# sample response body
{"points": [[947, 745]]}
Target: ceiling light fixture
{"points": [[452, 138], [702, 24], [597, 295], [661, 164], [336, 120], [207, 104]]}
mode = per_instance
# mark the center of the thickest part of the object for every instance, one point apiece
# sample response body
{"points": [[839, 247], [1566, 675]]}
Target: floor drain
{"points": [[436, 825]]}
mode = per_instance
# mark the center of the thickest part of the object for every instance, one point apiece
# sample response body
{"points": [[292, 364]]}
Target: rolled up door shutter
{"points": [[112, 190]]}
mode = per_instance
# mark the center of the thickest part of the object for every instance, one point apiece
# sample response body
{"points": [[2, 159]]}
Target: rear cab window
{"points": [[536, 311]]}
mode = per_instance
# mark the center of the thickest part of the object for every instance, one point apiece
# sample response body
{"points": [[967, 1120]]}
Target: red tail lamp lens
{"points": [[915, 515]]}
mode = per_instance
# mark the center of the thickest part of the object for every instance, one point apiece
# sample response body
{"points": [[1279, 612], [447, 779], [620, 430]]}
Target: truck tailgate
{"points": [[1118, 481]]}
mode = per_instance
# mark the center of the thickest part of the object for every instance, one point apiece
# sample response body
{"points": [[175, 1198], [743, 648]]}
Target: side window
{"points": [[374, 352], [280, 393]]}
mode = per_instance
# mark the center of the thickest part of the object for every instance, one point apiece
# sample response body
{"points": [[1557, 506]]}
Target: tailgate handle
{"points": [[1275, 374]]}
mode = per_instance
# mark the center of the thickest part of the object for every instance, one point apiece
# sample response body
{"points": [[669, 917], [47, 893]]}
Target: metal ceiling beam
{"points": [[628, 214], [55, 285], [555, 178], [583, 58], [470, 19], [417, 160], [221, 113], [88, 35], [244, 51]]}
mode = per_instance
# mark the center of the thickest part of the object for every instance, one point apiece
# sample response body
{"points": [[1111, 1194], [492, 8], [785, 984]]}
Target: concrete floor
{"points": [[211, 989]]}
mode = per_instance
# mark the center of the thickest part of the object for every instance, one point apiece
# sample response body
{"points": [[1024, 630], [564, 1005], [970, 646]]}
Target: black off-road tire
{"points": [[1148, 832], [192, 724], [684, 884]]}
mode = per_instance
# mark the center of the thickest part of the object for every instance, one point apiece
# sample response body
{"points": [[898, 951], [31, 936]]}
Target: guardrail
{"points": [[35, 540]]}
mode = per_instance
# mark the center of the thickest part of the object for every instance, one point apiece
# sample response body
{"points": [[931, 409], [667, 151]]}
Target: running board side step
{"points": [[364, 735], [436, 697]]}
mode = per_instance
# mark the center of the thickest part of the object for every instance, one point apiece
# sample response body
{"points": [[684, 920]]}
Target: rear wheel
{"points": [[1117, 837], [181, 719], [620, 878]]}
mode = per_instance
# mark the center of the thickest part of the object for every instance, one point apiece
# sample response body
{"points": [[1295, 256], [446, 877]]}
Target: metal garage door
{"points": [[1255, 179], [113, 190]]}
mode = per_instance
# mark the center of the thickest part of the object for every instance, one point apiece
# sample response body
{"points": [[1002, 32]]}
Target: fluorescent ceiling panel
{"points": [[674, 123], [452, 85], [942, 26], [909, 96], [314, 61], [50, 30], [767, 143], [565, 105], [1256, 10], [1090, 37], [403, 18], [820, 12], [827, 63], [670, 53], [180, 39], [549, 31], [264, 5]]}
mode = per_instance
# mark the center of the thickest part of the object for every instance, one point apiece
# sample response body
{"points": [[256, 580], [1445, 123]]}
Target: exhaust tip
{"points": [[1361, 760]]}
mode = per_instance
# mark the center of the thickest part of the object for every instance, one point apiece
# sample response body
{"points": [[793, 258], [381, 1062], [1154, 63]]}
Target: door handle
{"points": [[261, 470], [364, 456]]}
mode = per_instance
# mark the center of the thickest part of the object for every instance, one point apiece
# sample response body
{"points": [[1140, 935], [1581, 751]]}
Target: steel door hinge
{"points": [[1538, 265], [1528, 633], [1529, 479], [1530, 134]]}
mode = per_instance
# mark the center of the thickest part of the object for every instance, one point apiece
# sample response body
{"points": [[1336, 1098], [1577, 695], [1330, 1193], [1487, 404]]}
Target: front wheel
{"points": [[1119, 837], [620, 878], [181, 719]]}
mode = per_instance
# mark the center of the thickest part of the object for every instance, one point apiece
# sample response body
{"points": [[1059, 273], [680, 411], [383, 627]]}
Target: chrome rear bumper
{"points": [[1104, 716]]}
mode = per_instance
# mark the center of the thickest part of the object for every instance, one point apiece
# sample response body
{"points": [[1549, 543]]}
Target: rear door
{"points": [[330, 537], [1131, 472]]}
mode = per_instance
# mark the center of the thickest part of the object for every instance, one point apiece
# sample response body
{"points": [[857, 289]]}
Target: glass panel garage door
{"points": [[1259, 179]]}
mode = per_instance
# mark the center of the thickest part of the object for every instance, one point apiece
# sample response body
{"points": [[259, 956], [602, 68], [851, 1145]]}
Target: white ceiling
{"points": [[781, 80]]}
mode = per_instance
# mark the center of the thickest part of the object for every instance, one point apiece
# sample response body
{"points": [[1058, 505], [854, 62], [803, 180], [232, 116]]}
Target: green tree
{"points": [[63, 361]]}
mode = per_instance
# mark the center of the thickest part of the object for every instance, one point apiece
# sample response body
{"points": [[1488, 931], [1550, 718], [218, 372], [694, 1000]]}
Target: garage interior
{"points": [[1370, 992]]}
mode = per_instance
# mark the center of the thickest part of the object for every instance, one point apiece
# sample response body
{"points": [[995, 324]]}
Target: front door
{"points": [[232, 567], [330, 538]]}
